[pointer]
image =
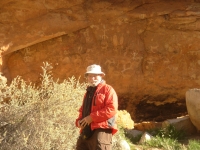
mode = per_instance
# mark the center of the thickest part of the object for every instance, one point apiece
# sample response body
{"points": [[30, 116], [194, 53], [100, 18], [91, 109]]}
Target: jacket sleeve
{"points": [[110, 109]]}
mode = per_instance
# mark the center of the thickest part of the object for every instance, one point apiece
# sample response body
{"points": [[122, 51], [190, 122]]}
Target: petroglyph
{"points": [[27, 51], [121, 41], [149, 66], [29, 54], [80, 49], [115, 42], [134, 54], [142, 16], [28, 59], [104, 45], [87, 35], [126, 64], [173, 68], [136, 57], [153, 49], [166, 61], [104, 36], [193, 7], [96, 27], [125, 68], [194, 52], [139, 58], [109, 62], [150, 62]]}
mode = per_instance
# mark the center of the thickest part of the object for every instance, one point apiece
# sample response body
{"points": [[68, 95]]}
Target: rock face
{"points": [[149, 49]]}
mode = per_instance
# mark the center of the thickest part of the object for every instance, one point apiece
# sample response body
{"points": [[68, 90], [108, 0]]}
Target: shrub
{"points": [[40, 117]]}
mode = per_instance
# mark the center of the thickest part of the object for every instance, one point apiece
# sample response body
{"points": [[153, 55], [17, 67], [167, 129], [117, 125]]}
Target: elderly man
{"points": [[97, 115]]}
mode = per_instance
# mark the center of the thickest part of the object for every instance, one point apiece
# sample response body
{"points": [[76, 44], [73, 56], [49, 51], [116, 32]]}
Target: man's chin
{"points": [[93, 84]]}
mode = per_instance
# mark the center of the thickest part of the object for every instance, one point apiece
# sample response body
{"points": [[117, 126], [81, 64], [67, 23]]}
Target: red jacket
{"points": [[104, 108]]}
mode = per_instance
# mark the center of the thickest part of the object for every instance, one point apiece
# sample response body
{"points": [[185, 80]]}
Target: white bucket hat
{"points": [[94, 69]]}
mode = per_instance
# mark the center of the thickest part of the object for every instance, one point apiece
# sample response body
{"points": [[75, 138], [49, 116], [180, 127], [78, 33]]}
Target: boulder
{"points": [[182, 123], [193, 106]]}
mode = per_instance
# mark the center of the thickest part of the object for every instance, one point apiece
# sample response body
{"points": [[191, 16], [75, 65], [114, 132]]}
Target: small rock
{"points": [[145, 137], [124, 145]]}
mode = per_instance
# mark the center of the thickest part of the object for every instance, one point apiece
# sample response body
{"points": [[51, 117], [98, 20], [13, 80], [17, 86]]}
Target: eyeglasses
{"points": [[93, 75]]}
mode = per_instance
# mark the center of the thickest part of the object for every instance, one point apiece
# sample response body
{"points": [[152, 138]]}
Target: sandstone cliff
{"points": [[149, 49]]}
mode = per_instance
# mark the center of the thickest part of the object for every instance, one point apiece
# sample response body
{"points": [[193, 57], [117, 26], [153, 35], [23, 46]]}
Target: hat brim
{"points": [[90, 72]]}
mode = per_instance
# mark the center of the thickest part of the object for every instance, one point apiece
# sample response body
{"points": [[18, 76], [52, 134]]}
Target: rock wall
{"points": [[149, 49]]}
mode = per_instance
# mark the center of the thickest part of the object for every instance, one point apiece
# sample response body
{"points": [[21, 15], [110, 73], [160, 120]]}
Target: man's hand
{"points": [[85, 121], [79, 125]]}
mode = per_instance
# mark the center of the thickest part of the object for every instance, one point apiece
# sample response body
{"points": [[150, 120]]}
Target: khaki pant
{"points": [[100, 140]]}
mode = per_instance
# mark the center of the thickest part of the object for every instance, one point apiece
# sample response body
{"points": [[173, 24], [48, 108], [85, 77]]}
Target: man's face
{"points": [[94, 79]]}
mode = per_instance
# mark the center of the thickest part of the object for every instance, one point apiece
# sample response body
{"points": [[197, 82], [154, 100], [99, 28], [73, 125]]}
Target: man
{"points": [[97, 115]]}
